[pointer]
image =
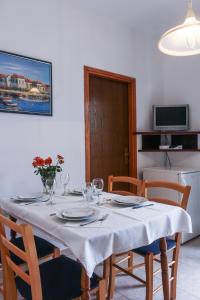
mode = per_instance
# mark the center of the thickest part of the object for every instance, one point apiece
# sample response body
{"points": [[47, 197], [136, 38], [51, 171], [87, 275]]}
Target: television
{"points": [[171, 117]]}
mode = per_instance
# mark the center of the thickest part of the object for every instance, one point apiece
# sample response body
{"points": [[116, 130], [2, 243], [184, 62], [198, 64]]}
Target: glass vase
{"points": [[48, 178]]}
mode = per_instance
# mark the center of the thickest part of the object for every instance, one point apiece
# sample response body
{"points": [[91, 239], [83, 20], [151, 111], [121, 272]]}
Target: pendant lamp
{"points": [[184, 39]]}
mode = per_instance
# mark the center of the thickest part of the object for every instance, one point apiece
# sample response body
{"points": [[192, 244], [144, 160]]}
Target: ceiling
{"points": [[140, 13]]}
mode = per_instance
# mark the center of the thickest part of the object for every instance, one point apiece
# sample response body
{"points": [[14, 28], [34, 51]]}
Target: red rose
{"points": [[60, 157], [48, 161], [37, 158], [40, 162], [34, 164]]}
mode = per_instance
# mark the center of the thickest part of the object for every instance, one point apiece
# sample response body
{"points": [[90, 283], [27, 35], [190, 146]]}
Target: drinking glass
{"points": [[98, 187], [64, 179], [50, 184], [87, 191]]}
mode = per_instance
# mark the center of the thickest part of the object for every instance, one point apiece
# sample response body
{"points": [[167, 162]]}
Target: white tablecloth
{"points": [[123, 230]]}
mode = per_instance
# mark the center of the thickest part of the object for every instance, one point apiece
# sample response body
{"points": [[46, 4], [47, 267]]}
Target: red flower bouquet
{"points": [[46, 169]]}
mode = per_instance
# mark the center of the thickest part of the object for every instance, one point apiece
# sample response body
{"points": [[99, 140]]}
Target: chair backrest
{"points": [[183, 190], [29, 256], [136, 184]]}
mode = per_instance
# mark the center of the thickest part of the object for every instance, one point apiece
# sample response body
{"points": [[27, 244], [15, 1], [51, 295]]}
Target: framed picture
{"points": [[25, 85]]}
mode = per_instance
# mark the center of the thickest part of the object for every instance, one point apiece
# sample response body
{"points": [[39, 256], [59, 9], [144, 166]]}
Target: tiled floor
{"points": [[188, 287]]}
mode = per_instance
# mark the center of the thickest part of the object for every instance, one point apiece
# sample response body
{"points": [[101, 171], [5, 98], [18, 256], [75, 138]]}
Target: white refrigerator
{"points": [[183, 176]]}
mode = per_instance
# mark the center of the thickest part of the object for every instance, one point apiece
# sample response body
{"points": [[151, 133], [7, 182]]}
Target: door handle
{"points": [[126, 156]]}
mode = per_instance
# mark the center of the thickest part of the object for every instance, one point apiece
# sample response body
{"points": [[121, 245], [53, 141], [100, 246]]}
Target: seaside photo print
{"points": [[25, 85]]}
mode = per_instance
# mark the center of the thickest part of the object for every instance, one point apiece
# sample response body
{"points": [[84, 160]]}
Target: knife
{"points": [[139, 206]]}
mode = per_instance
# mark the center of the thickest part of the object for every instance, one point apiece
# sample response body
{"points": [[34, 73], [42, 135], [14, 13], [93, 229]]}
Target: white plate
{"points": [[31, 196], [40, 197], [94, 215], [78, 212], [129, 200]]}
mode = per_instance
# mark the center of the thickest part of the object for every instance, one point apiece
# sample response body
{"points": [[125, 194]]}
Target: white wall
{"points": [[153, 95], [182, 86], [71, 38], [174, 80]]}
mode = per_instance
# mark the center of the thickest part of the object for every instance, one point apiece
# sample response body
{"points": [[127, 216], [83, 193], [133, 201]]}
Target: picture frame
{"points": [[25, 85]]}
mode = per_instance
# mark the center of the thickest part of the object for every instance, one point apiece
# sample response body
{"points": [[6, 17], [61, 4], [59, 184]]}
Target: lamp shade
{"points": [[182, 40]]}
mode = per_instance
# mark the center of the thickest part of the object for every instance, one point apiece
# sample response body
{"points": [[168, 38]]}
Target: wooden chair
{"points": [[44, 249], [138, 186], [153, 251], [135, 184], [59, 278]]}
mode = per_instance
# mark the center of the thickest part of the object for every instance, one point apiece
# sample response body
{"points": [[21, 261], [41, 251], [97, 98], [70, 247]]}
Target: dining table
{"points": [[119, 229]]}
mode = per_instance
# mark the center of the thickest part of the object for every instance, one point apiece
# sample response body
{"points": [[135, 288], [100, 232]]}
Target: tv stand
{"points": [[151, 140]]}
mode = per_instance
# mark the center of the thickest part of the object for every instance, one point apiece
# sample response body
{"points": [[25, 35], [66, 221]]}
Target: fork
{"points": [[35, 202], [103, 218]]}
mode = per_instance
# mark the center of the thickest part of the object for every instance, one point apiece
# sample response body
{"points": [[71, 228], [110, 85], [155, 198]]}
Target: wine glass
{"points": [[50, 184], [64, 178], [98, 184]]}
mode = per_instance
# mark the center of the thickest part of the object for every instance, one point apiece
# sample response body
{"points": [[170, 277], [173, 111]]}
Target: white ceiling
{"points": [[140, 13]]}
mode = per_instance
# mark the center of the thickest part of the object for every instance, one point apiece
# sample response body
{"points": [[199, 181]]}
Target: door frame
{"points": [[89, 71]]}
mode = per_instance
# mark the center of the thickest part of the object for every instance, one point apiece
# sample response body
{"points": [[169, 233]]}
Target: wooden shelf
{"points": [[181, 132], [170, 150], [151, 140]]}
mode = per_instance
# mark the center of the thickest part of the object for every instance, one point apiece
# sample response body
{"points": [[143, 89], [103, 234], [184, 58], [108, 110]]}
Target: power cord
{"points": [[167, 161]]}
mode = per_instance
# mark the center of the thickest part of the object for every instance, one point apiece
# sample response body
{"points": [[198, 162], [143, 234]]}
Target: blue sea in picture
{"points": [[26, 105]]}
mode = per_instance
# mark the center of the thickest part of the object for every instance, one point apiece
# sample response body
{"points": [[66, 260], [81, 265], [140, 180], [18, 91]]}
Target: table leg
{"points": [[85, 285], [103, 284], [106, 272], [164, 266]]}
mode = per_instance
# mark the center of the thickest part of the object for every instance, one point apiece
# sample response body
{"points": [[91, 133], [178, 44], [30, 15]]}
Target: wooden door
{"points": [[110, 109]]}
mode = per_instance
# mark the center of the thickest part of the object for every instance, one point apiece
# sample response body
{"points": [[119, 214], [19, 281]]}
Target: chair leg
{"points": [[85, 295], [149, 276], [101, 294], [174, 273], [111, 287], [1, 283], [130, 261]]}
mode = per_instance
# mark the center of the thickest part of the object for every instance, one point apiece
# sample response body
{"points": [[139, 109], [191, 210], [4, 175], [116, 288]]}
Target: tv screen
{"points": [[171, 117]]}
